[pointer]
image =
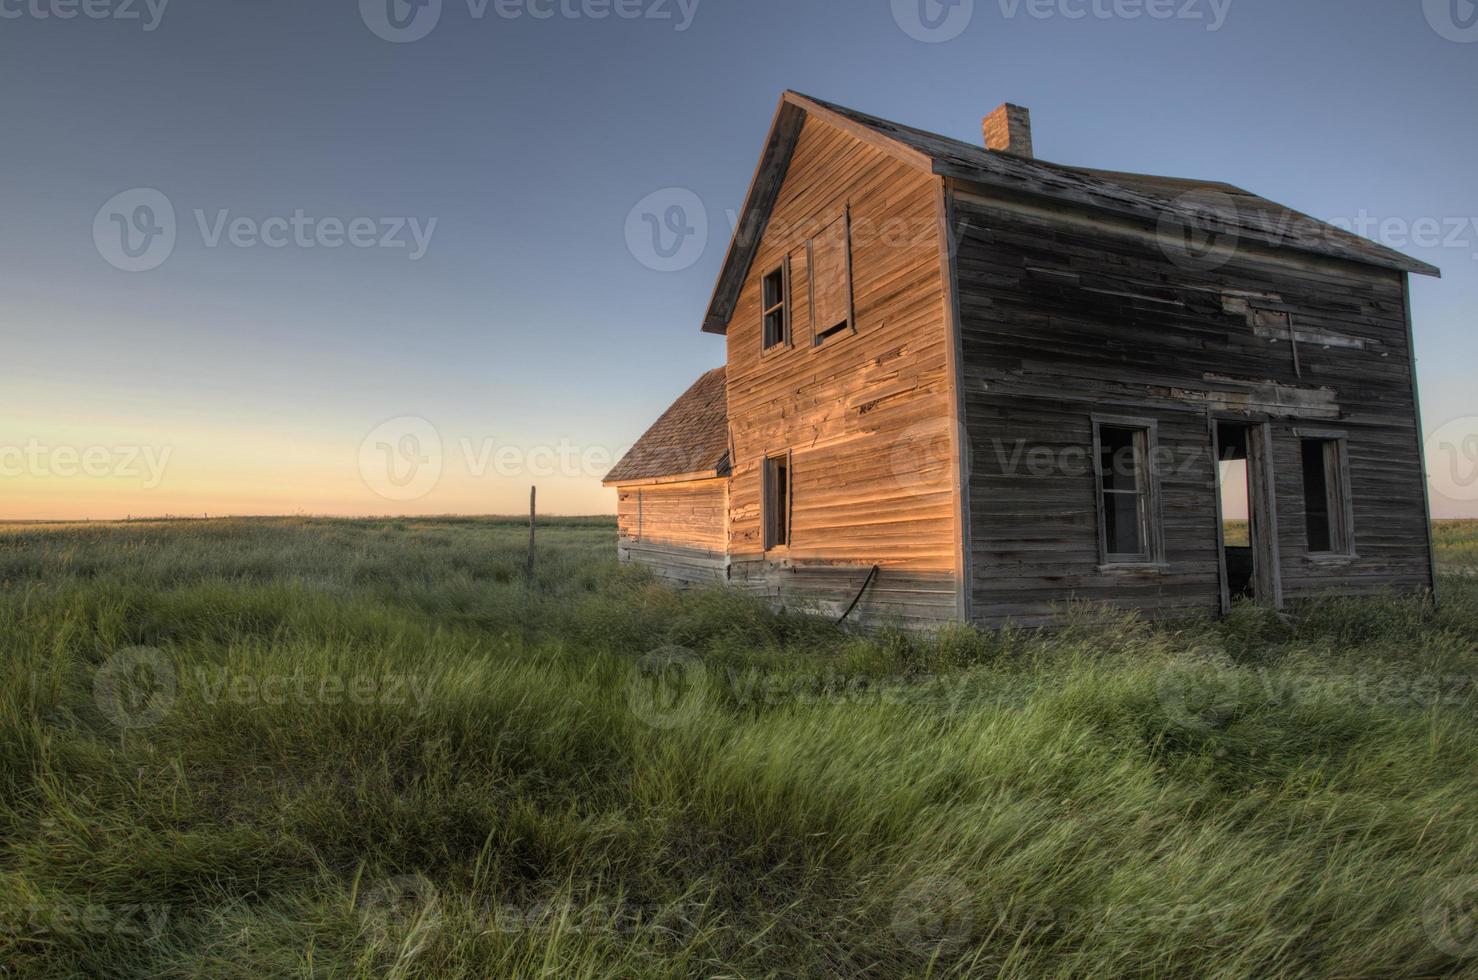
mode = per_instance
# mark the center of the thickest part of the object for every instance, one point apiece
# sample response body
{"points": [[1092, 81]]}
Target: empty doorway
{"points": [[1247, 523]]}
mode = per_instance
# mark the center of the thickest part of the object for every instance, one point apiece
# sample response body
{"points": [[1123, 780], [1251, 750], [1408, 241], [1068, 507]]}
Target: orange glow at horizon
{"points": [[64, 474]]}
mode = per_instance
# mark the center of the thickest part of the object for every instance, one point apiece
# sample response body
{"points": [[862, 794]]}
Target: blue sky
{"points": [[529, 325]]}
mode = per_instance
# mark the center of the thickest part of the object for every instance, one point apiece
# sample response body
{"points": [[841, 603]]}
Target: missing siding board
{"points": [[1222, 393], [1278, 329], [1270, 323], [1060, 277], [1277, 325], [1142, 297], [1240, 302], [1268, 397]]}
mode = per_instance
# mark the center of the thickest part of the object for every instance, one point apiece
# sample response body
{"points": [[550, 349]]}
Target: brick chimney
{"points": [[1009, 130]]}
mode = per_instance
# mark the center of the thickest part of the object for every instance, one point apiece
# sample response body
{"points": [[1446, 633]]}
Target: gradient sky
{"points": [[530, 338]]}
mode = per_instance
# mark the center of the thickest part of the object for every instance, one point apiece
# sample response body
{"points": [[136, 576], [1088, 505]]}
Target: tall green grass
{"points": [[374, 749]]}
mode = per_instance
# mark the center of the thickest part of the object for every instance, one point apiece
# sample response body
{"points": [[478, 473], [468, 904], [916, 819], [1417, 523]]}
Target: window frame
{"points": [[772, 539], [835, 332], [1147, 444], [1339, 498], [784, 306]]}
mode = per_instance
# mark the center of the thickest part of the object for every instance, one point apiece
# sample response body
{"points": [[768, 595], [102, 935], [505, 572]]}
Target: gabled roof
{"points": [[689, 441], [1138, 196]]}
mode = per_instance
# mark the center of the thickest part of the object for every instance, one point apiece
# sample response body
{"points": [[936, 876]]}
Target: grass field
{"points": [[322, 748]]}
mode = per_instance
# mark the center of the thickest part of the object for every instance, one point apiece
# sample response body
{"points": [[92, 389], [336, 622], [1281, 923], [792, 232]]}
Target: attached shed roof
{"points": [[1139, 196], [689, 441]]}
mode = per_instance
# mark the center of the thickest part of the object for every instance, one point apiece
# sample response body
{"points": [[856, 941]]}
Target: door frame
{"points": [[1262, 509]]}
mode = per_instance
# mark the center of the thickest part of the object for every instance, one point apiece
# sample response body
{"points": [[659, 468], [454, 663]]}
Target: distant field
{"points": [[299, 747], [1457, 546]]}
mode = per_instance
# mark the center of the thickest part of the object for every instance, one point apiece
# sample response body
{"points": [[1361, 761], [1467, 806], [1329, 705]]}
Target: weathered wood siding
{"points": [[677, 529], [1063, 316], [867, 415]]}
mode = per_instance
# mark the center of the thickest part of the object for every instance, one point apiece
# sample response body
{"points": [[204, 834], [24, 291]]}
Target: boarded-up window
{"points": [[798, 302], [777, 501], [1326, 501], [831, 280]]}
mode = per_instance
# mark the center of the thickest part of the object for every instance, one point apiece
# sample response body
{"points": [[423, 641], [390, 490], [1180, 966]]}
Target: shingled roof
{"points": [[1212, 205], [690, 440]]}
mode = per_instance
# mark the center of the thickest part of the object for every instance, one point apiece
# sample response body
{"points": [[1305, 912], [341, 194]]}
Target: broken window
{"points": [[1326, 497], [777, 307], [777, 501], [1127, 532]]}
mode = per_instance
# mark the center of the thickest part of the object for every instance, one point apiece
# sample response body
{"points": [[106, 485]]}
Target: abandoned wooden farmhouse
{"points": [[973, 385]]}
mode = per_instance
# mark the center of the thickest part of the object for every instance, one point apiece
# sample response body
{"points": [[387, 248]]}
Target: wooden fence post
{"points": [[533, 497]]}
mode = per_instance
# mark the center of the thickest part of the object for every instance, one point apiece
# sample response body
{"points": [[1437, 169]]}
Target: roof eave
{"points": [[714, 473], [1396, 261], [1420, 268]]}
